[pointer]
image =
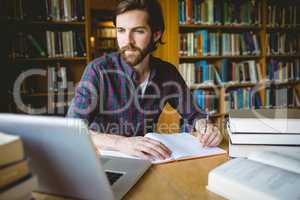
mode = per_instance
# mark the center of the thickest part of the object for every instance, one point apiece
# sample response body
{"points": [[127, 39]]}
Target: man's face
{"points": [[134, 36]]}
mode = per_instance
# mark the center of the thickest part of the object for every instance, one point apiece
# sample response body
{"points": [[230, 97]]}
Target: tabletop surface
{"points": [[185, 179]]}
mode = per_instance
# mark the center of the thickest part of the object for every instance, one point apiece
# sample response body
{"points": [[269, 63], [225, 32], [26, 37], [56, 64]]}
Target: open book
{"points": [[182, 145], [264, 175]]}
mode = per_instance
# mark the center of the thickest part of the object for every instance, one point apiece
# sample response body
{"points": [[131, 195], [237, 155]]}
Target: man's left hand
{"points": [[209, 135]]}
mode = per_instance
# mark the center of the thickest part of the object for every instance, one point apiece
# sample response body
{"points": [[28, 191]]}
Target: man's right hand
{"points": [[143, 147]]}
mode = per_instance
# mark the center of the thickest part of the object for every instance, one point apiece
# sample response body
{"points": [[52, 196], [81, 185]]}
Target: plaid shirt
{"points": [[110, 100]]}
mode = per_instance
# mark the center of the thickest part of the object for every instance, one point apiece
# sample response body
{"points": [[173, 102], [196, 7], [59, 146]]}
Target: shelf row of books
{"points": [[204, 43], [226, 71], [220, 73], [282, 71], [106, 32], [107, 44], [283, 43], [249, 98], [283, 14], [54, 80], [49, 44], [219, 12], [283, 97], [17, 181], [43, 10]]}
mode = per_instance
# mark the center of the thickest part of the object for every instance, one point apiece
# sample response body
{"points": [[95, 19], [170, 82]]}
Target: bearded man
{"points": [[122, 94]]}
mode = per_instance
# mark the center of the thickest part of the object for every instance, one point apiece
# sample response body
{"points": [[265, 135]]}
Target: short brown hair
{"points": [[151, 7]]}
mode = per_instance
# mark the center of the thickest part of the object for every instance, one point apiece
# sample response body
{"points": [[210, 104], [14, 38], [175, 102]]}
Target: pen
{"points": [[206, 122]]}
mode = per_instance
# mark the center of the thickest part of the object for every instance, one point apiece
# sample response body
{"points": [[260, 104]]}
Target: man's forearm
{"points": [[106, 141]]}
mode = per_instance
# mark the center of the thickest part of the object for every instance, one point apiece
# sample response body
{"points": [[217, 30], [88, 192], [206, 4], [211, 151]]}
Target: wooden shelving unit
{"points": [[171, 12], [37, 89]]}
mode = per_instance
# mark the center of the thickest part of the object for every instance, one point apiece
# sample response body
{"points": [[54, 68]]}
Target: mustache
{"points": [[131, 47]]}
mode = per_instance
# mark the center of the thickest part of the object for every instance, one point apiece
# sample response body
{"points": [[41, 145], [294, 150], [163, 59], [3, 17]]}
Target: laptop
{"points": [[61, 154]]}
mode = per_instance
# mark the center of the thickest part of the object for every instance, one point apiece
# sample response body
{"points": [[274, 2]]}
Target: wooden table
{"points": [[176, 180]]}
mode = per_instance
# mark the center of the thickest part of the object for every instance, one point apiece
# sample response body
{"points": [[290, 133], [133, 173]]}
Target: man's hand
{"points": [[141, 147], [144, 148], [211, 137]]}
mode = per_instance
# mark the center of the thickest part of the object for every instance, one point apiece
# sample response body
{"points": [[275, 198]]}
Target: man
{"points": [[122, 94]]}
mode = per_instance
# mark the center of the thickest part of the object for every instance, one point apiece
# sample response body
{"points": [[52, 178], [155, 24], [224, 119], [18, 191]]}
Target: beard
{"points": [[136, 55]]}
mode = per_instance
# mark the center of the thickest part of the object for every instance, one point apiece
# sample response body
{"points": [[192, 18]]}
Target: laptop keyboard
{"points": [[113, 176]]}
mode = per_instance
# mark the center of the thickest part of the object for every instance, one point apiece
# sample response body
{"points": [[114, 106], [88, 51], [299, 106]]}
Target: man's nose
{"points": [[129, 38]]}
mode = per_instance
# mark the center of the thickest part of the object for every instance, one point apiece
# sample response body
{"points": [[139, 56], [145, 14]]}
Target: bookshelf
{"points": [[47, 47], [103, 32], [267, 20]]}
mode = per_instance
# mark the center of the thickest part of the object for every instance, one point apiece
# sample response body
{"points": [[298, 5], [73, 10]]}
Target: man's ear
{"points": [[156, 35]]}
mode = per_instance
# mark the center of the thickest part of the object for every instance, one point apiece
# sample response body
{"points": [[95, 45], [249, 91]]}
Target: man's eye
{"points": [[140, 31], [120, 30]]}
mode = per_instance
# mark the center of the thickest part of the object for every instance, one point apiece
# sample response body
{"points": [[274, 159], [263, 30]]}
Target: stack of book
{"points": [[249, 134], [16, 181]]}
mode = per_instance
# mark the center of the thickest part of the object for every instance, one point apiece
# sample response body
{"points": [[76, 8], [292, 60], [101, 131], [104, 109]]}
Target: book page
{"points": [[287, 161], [184, 145], [247, 179]]}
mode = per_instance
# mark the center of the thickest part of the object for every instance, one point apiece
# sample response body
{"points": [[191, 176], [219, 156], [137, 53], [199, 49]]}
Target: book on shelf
{"points": [[39, 49], [11, 149], [206, 100], [219, 12], [264, 131], [263, 175], [183, 146], [57, 78], [45, 10], [243, 150]]}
